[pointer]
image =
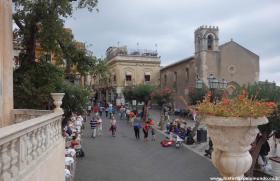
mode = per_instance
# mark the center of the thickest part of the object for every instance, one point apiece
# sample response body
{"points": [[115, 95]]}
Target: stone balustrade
{"points": [[26, 114], [25, 147]]}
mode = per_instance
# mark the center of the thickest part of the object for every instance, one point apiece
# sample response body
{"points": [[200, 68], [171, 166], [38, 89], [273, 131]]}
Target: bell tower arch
{"points": [[207, 52]]}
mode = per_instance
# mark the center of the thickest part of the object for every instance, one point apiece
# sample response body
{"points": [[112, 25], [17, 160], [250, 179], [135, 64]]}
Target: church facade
{"points": [[230, 61]]}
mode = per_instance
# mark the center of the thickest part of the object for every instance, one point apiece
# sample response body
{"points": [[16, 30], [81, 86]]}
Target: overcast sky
{"points": [[171, 23]]}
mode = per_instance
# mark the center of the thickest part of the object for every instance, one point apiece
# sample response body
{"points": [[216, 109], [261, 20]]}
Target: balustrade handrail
{"points": [[27, 114], [11, 132], [23, 144]]}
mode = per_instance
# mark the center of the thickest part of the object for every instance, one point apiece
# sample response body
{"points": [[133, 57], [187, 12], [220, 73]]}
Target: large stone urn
{"points": [[57, 97], [232, 138]]}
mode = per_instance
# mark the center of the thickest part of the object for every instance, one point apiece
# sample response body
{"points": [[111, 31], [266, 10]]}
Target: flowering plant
{"points": [[239, 106]]}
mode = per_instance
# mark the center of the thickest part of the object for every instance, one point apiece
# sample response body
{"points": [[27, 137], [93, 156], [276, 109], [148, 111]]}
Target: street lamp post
{"points": [[213, 84], [199, 84]]}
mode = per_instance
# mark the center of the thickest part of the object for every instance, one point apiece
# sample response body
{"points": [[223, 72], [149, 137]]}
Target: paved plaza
{"points": [[123, 158]]}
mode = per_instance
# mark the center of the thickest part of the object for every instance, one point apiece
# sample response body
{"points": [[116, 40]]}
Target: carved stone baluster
{"points": [[5, 162], [34, 144], [44, 137], [28, 140], [53, 132], [39, 141], [14, 158], [23, 147], [57, 130], [50, 131]]}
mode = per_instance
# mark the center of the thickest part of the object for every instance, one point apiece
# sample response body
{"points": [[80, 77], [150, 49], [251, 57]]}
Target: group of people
{"points": [[73, 148], [96, 122], [175, 127], [147, 126]]}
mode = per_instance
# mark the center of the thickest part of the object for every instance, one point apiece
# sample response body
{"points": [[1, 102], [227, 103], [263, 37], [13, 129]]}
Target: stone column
{"points": [[6, 62]]}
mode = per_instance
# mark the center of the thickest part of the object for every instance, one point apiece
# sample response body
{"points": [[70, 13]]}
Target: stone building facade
{"points": [[229, 61], [127, 69]]}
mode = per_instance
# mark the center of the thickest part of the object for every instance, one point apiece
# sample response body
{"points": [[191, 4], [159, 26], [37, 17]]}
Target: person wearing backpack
{"points": [[136, 127]]}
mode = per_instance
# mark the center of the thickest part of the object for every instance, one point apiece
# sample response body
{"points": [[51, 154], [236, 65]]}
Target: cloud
{"points": [[171, 25]]}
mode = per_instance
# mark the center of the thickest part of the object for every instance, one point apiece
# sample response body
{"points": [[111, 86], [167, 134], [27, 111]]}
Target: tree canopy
{"points": [[42, 22], [34, 83], [141, 93]]}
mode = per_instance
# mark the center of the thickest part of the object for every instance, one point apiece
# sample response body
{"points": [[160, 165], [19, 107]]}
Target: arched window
{"points": [[210, 42]]}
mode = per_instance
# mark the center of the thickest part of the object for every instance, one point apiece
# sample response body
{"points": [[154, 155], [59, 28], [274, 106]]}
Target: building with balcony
{"points": [[229, 62], [127, 68]]}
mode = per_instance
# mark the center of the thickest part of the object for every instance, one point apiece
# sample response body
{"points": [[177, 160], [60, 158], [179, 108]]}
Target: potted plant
{"points": [[232, 126]]}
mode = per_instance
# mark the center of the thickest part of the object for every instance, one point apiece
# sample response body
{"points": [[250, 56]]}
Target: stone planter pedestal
{"points": [[231, 137], [57, 97]]}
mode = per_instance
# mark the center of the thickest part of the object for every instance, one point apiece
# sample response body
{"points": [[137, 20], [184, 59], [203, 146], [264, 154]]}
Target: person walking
{"points": [[153, 133], [110, 110], [101, 109], [96, 110], [113, 127], [146, 130], [93, 124], [106, 111], [122, 112], [89, 110], [99, 125], [136, 127], [263, 159]]}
